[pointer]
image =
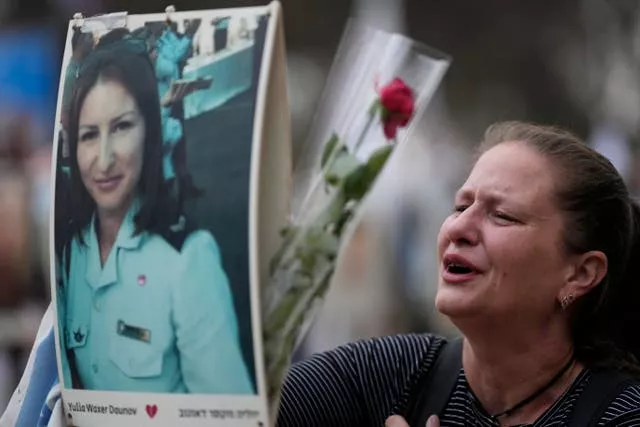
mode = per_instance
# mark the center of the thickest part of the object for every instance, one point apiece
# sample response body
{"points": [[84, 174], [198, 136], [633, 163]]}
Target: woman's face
{"points": [[111, 135], [500, 252]]}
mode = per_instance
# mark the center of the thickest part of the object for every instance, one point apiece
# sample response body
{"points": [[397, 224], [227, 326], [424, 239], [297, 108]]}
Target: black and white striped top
{"points": [[363, 383]]}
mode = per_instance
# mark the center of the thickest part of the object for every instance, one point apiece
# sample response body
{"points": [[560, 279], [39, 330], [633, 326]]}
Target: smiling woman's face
{"points": [[111, 135], [501, 252]]}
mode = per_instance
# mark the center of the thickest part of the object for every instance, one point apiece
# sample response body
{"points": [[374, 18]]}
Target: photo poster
{"points": [[169, 127]]}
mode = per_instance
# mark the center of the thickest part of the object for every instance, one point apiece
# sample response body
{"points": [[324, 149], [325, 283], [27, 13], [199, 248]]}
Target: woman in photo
{"points": [[143, 305]]}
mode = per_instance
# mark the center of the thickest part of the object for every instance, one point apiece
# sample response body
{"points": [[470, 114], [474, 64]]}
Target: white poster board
{"points": [[172, 180]]}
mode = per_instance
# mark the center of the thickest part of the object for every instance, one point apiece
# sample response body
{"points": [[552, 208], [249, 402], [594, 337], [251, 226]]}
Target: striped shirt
{"points": [[365, 382]]}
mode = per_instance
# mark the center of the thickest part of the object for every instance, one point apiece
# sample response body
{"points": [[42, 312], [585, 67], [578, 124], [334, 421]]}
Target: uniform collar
{"points": [[126, 238], [106, 275]]}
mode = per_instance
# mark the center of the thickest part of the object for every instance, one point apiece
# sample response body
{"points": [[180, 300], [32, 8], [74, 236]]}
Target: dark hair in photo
{"points": [[80, 39], [123, 59], [112, 36], [599, 216]]}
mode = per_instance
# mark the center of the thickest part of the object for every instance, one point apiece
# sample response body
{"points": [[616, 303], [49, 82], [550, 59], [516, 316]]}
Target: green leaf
{"points": [[359, 182], [306, 258], [341, 166], [378, 159], [288, 231], [329, 149], [332, 180], [355, 184], [345, 218], [322, 243], [332, 210], [288, 235]]}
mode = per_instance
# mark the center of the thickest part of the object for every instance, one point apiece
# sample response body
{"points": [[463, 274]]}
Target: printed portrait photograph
{"points": [[151, 212]]}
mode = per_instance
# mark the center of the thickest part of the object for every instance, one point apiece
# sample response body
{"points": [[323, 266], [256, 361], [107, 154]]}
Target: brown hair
{"points": [[600, 215], [125, 61]]}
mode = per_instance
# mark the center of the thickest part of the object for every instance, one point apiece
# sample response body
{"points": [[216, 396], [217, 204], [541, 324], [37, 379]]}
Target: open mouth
{"points": [[459, 269], [459, 266]]}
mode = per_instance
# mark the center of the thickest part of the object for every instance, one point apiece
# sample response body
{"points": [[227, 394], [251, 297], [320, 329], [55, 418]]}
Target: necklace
{"points": [[537, 393]]}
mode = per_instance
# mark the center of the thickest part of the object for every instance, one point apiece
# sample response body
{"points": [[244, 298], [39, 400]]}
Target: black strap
{"points": [[603, 387], [435, 388]]}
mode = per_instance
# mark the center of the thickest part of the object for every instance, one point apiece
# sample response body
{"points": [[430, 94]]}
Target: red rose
{"points": [[398, 103]]}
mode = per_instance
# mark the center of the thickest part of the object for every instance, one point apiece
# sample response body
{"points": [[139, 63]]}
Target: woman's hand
{"points": [[176, 93], [180, 90], [398, 421]]}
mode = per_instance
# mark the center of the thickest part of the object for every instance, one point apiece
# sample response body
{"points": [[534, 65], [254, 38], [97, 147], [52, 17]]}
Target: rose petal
{"points": [[398, 104], [392, 124], [390, 130]]}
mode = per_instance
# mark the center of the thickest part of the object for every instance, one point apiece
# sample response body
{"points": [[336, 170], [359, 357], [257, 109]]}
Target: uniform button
{"points": [[97, 305], [95, 368]]}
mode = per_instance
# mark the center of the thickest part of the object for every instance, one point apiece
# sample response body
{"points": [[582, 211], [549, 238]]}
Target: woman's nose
{"points": [[464, 227], [105, 159]]}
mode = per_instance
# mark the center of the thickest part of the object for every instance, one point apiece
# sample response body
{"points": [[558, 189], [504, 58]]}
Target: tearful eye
{"points": [[503, 217]]}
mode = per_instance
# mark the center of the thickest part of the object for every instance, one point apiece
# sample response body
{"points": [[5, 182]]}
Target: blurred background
{"points": [[573, 63]]}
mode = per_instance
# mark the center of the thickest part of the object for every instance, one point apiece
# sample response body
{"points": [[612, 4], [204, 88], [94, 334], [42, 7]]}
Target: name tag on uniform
{"points": [[134, 332]]}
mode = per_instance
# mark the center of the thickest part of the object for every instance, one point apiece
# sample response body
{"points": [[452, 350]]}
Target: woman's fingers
{"points": [[398, 421], [180, 93]]}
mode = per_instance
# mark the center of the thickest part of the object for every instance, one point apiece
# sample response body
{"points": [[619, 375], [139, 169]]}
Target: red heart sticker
{"points": [[152, 410]]}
